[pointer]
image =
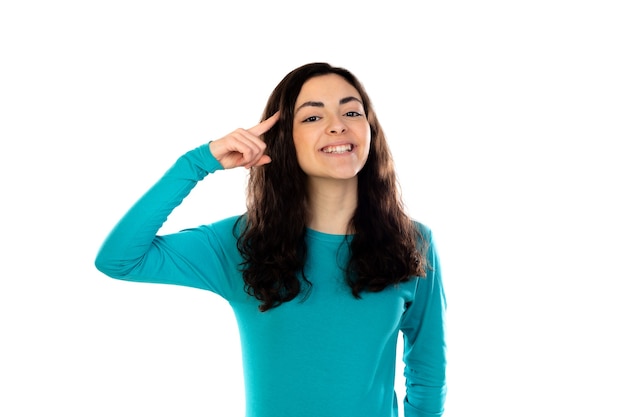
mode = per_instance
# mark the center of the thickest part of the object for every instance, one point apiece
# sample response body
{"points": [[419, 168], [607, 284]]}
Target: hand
{"points": [[243, 147]]}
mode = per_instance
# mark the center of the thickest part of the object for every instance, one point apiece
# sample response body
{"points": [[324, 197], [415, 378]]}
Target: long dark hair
{"points": [[386, 248]]}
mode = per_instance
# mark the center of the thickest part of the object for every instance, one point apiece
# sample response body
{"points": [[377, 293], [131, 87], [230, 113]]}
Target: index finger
{"points": [[265, 125]]}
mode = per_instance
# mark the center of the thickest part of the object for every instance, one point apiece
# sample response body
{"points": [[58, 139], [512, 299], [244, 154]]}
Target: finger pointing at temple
{"points": [[243, 147]]}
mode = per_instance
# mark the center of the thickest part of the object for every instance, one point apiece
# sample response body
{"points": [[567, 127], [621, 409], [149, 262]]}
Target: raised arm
{"points": [[133, 236], [134, 251]]}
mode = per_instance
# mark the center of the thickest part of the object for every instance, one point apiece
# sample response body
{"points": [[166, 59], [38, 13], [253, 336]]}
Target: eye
{"points": [[311, 119], [353, 114]]}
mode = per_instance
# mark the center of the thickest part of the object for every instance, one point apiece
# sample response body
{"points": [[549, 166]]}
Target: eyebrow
{"points": [[320, 104]]}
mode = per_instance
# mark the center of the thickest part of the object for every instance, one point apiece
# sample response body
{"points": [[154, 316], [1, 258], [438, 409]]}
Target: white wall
{"points": [[506, 122]]}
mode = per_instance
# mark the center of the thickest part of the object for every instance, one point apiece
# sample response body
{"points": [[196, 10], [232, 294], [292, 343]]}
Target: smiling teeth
{"points": [[337, 149]]}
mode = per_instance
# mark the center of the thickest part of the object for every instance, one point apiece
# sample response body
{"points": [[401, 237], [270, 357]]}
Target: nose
{"points": [[336, 126]]}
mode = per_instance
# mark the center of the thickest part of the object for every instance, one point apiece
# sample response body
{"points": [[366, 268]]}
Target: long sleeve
{"points": [[133, 251], [423, 327]]}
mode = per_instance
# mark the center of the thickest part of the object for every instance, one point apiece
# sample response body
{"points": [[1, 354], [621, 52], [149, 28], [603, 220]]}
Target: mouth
{"points": [[338, 149]]}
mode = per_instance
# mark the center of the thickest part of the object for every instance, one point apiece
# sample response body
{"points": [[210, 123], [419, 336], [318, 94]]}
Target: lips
{"points": [[338, 148]]}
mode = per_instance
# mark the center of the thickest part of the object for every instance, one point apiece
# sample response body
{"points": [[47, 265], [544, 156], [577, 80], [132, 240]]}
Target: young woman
{"points": [[324, 268]]}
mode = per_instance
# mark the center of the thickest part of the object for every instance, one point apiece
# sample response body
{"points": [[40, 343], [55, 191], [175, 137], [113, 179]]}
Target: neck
{"points": [[331, 205]]}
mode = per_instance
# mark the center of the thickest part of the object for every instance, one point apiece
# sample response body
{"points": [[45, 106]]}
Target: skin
{"points": [[329, 116], [329, 113], [243, 147]]}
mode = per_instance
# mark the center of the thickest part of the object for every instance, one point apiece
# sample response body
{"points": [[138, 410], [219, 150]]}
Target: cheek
{"points": [[367, 134], [299, 146], [299, 138], [297, 143], [303, 140]]}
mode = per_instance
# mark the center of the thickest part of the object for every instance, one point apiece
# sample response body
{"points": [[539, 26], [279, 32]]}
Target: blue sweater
{"points": [[324, 355]]}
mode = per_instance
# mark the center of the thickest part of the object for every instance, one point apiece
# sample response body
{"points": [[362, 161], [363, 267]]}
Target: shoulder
{"points": [[425, 232], [226, 228]]}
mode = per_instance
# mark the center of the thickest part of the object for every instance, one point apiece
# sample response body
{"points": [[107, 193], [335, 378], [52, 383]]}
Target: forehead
{"points": [[329, 87]]}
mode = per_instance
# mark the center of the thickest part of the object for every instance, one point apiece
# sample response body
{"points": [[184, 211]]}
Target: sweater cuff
{"points": [[209, 162]]}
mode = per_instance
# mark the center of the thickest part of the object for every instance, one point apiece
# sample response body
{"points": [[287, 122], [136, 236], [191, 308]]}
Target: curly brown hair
{"points": [[386, 247]]}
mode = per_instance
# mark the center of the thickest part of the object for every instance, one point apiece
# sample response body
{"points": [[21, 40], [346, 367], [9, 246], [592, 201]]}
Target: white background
{"points": [[506, 119]]}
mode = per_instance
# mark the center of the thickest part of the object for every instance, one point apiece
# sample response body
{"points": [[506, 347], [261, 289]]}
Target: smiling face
{"points": [[331, 133]]}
